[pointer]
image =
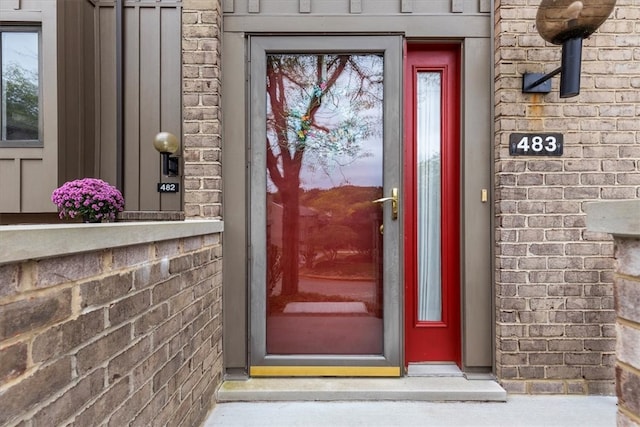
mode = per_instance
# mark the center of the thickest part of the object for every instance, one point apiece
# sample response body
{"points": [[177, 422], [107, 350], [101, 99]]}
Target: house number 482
{"points": [[548, 144]]}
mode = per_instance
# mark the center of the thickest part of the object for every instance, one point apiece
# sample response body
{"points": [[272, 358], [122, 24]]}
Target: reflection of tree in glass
{"points": [[274, 270], [20, 87], [319, 106]]}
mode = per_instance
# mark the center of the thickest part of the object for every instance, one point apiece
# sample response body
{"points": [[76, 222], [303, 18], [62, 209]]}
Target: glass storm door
{"points": [[432, 281], [324, 226]]}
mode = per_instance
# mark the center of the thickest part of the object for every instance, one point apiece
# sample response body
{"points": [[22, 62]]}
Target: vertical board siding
{"points": [[150, 95], [170, 92], [152, 98], [132, 109], [106, 151], [90, 95], [76, 90]]}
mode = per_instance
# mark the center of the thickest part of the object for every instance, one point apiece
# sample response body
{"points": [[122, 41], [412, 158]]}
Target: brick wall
{"points": [[627, 295], [130, 334], [621, 219], [201, 35], [554, 296]]}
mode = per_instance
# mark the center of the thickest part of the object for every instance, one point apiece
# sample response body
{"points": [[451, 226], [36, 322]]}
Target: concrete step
{"points": [[362, 389], [434, 370]]}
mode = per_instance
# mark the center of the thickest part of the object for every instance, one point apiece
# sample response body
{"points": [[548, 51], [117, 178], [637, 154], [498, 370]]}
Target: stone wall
{"points": [[554, 295], [111, 336]]}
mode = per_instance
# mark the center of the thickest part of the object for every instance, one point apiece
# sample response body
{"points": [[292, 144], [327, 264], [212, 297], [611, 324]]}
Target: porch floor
{"points": [[362, 389], [517, 411]]}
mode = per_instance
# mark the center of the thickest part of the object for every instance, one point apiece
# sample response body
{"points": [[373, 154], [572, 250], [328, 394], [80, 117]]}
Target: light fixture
{"points": [[167, 143], [566, 23]]}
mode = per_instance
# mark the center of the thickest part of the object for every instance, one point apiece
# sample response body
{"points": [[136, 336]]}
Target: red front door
{"points": [[432, 203]]}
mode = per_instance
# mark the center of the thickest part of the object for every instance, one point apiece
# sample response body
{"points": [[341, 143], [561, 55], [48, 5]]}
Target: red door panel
{"points": [[432, 141]]}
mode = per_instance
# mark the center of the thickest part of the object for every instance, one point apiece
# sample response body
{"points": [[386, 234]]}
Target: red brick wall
{"points": [[131, 334]]}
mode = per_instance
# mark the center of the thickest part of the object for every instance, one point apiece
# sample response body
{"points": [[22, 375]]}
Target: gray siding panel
{"points": [[228, 6], [149, 107], [9, 194], [152, 98], [76, 90], [29, 175], [106, 149], [132, 109], [364, 7], [170, 91], [476, 156], [411, 25]]}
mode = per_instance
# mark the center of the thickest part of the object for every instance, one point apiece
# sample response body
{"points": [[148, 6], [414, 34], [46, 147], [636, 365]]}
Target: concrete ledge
{"points": [[334, 389], [620, 218], [23, 242]]}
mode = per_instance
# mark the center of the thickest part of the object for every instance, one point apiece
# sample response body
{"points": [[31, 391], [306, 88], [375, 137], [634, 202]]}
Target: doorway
{"points": [[325, 172], [432, 204]]}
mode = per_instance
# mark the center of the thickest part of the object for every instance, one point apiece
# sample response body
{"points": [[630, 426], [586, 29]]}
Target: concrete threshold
{"points": [[438, 389]]}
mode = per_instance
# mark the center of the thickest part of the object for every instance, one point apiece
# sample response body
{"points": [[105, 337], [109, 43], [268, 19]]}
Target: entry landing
{"points": [[454, 388]]}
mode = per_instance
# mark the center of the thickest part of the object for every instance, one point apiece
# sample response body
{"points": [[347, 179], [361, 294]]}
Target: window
{"points": [[20, 86]]}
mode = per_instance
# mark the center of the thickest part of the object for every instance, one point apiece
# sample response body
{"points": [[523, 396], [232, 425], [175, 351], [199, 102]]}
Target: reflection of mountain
{"points": [[309, 220], [335, 206], [331, 222]]}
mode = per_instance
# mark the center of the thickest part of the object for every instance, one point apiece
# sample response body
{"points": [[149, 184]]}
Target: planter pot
{"points": [[87, 219]]}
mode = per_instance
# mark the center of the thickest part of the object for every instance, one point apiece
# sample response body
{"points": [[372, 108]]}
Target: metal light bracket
{"points": [[170, 164], [569, 72], [538, 82]]}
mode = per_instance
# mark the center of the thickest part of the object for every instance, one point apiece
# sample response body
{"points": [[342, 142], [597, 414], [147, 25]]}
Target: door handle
{"points": [[394, 202]]}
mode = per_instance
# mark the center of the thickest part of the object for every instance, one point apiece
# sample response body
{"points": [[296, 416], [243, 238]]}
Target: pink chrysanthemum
{"points": [[90, 197]]}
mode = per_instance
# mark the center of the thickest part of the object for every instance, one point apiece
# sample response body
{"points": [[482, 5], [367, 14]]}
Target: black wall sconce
{"points": [[566, 23], [167, 144]]}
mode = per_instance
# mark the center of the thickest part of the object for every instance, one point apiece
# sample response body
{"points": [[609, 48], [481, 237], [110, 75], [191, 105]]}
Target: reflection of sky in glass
{"points": [[20, 49], [428, 124], [362, 171], [356, 98]]}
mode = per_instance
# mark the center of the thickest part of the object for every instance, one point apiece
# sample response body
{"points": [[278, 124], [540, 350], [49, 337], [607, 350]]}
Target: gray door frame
{"points": [[391, 48]]}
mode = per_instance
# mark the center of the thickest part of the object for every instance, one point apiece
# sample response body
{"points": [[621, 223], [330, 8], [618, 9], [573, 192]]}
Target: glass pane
{"points": [[324, 167], [20, 86], [428, 141]]}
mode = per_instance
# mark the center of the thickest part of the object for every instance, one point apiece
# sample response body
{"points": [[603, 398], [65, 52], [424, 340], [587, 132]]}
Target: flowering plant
{"points": [[92, 198]]}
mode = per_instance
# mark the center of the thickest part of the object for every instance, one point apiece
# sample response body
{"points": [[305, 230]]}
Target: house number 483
{"points": [[549, 144]]}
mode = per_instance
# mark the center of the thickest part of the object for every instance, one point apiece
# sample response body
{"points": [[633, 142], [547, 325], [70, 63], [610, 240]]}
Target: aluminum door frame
{"points": [[391, 47]]}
